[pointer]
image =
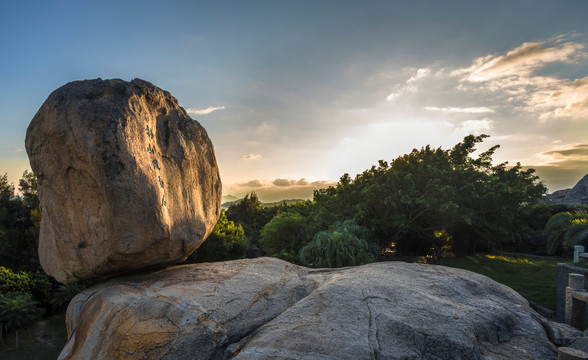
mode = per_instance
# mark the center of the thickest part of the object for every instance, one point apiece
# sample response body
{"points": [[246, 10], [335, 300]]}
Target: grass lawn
{"points": [[532, 277]]}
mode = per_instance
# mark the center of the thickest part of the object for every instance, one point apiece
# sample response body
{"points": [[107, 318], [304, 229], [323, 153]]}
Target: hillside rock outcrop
{"points": [[579, 193], [266, 308], [126, 179]]}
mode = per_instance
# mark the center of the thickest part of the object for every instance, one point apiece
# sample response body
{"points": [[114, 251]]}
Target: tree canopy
{"points": [[428, 191]]}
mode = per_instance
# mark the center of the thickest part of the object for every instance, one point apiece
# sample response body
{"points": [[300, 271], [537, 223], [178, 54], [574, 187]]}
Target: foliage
{"points": [[19, 224], [251, 215], [17, 310], [284, 232], [63, 294], [430, 191], [37, 284], [226, 242], [289, 256], [566, 229], [338, 247]]}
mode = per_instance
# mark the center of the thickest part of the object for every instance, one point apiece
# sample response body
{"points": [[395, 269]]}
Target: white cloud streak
{"points": [[468, 110], [409, 86], [252, 156], [204, 111]]}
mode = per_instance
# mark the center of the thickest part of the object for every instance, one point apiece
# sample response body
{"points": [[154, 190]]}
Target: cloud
{"points": [[204, 111], [281, 182], [520, 62], [470, 110], [278, 189], [515, 76], [409, 86], [18, 150], [252, 156], [570, 153], [475, 127], [567, 99], [289, 182], [252, 184]]}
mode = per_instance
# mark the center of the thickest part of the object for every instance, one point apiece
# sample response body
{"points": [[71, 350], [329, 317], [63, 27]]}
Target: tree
{"points": [[338, 247], [19, 224], [566, 229], [17, 311], [286, 231], [226, 242], [427, 192], [251, 215]]}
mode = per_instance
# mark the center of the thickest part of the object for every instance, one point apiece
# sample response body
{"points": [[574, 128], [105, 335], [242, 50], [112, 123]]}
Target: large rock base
{"points": [[269, 309]]}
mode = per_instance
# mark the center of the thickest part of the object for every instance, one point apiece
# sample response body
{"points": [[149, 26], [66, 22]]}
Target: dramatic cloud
{"points": [[204, 111], [470, 110], [521, 62], [567, 99], [252, 156], [572, 153], [515, 77]]}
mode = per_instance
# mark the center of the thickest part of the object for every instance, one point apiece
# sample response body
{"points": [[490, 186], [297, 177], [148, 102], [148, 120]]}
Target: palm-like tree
{"points": [[566, 228], [18, 310]]}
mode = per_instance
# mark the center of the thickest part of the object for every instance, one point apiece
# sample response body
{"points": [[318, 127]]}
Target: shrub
{"points": [[337, 248], [286, 231]]}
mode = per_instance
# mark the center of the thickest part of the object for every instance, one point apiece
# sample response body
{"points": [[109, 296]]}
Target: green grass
{"points": [[533, 278], [42, 340]]}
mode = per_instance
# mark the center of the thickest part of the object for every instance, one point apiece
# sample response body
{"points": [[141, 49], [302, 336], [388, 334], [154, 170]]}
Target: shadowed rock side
{"points": [[126, 179], [269, 309], [579, 193]]}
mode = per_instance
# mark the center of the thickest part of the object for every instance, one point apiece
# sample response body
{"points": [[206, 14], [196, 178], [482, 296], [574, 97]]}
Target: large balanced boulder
{"points": [[266, 308], [126, 179]]}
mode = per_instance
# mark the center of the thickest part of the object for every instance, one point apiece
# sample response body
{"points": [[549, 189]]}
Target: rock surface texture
{"points": [[579, 193], [268, 309], [126, 179]]}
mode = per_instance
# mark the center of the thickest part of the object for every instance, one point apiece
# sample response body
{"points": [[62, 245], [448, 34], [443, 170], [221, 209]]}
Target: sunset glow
{"points": [[295, 94]]}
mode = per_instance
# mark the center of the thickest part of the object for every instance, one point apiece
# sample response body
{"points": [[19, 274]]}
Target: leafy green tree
{"points": [[226, 242], [17, 311], [566, 229], [286, 231], [19, 224], [338, 247], [435, 191], [251, 215]]}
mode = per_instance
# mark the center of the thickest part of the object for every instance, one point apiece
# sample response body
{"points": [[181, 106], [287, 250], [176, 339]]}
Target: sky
{"points": [[294, 94]]}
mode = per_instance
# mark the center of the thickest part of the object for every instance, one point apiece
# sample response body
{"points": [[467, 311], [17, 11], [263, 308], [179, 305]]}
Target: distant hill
{"points": [[226, 204], [577, 194]]}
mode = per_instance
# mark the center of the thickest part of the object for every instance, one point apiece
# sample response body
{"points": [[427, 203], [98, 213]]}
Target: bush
{"points": [[226, 242], [337, 248], [286, 231], [566, 229], [37, 284]]}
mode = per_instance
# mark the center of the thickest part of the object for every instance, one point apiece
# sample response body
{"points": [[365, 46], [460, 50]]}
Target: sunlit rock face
{"points": [[266, 308], [126, 179]]}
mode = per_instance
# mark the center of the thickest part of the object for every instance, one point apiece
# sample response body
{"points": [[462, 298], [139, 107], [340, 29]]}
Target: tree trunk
{"points": [[16, 340], [1, 338]]}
